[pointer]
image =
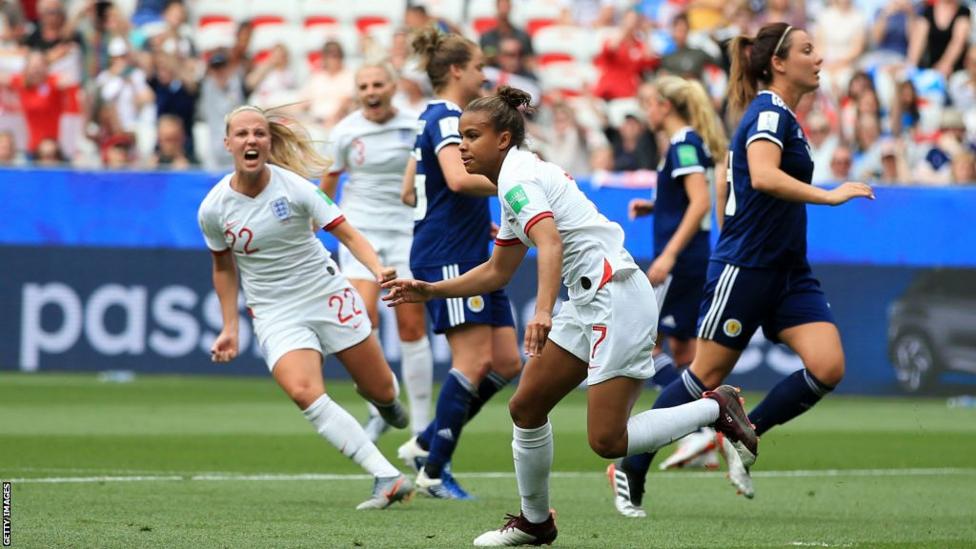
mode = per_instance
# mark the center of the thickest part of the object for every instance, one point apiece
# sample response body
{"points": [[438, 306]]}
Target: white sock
{"points": [[417, 367], [653, 429], [532, 452], [341, 430]]}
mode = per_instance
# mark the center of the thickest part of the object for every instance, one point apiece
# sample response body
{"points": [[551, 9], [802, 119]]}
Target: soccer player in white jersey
{"points": [[372, 145], [261, 219], [603, 335]]}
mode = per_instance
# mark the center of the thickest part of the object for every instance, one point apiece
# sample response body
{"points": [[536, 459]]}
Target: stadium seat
{"points": [[568, 78], [267, 36], [321, 12], [215, 35], [557, 43], [209, 12], [482, 15], [375, 12], [537, 14], [273, 12]]}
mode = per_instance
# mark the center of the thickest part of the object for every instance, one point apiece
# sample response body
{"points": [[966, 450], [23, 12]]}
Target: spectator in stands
{"points": [[41, 99], [48, 154], [221, 91], [148, 11], [55, 37], [176, 37], [938, 39], [786, 11], [170, 152], [867, 147], [859, 82], [104, 126], [272, 80], [962, 84], [176, 88], [894, 163], [511, 58], [964, 168], [124, 84], [328, 91], [568, 143], [623, 60], [840, 164], [905, 114], [889, 34], [8, 150], [104, 23], [416, 18], [840, 36], [510, 70], [399, 51], [822, 144], [684, 61], [119, 153], [935, 167], [238, 57], [491, 40], [634, 146], [588, 13]]}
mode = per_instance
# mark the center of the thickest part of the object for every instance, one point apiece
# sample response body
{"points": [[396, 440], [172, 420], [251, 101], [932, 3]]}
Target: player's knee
{"points": [[303, 393], [525, 414], [411, 332], [831, 372], [607, 445], [507, 366]]}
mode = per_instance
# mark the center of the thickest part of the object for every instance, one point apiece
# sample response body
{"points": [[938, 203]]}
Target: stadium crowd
{"points": [[145, 84]]}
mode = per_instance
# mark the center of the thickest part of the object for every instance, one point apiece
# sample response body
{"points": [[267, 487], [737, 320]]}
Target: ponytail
{"points": [[439, 52], [692, 104], [752, 62]]}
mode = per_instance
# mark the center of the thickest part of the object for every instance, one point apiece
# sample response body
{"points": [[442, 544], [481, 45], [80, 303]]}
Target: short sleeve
{"points": [[445, 131], [323, 211], [770, 124], [686, 158], [335, 152], [528, 202], [506, 236], [210, 227]]}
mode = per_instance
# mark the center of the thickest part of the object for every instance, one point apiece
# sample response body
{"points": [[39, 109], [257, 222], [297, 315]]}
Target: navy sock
{"points": [[487, 389], [665, 370], [792, 396], [452, 412], [686, 388], [489, 386]]}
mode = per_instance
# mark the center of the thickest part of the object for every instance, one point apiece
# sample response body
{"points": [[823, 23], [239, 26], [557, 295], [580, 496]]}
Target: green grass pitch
{"points": [[230, 462]]}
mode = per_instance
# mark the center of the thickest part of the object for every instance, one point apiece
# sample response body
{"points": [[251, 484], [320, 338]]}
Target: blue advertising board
{"points": [[107, 270]]}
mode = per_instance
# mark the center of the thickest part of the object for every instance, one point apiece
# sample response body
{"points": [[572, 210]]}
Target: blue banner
{"points": [[904, 226]]}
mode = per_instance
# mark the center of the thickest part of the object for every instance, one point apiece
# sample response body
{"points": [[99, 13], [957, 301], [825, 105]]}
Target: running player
{"points": [[373, 145], [758, 275], [603, 335], [261, 218], [681, 108], [452, 232]]}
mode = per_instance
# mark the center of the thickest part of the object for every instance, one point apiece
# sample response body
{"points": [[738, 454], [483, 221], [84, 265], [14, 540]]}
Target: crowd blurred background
{"points": [[144, 84]]}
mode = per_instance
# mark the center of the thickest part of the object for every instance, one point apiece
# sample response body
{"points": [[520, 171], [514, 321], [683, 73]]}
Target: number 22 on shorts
{"points": [[341, 302]]}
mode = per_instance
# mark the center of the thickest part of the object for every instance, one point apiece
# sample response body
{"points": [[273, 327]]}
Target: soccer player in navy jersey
{"points": [[680, 108], [758, 275], [452, 231]]}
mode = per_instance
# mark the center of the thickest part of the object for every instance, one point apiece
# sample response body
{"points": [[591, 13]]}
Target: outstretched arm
{"points": [[766, 175], [363, 251], [485, 278]]}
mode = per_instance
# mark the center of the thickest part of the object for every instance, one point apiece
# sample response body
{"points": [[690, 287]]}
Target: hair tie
{"points": [[781, 39]]}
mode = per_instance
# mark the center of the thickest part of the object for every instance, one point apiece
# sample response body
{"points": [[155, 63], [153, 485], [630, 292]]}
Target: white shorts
{"points": [[393, 248], [615, 332], [330, 325]]}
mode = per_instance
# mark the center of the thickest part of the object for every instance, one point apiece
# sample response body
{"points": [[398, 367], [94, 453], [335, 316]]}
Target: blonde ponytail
{"points": [[691, 103], [291, 147]]}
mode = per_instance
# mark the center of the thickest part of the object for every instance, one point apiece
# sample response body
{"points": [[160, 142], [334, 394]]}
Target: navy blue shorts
{"points": [[738, 300], [679, 313], [493, 309]]}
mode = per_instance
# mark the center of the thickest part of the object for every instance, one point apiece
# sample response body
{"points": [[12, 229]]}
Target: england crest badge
{"points": [[280, 208]]}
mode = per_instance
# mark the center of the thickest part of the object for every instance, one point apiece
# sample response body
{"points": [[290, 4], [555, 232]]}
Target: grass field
{"points": [[226, 462]]}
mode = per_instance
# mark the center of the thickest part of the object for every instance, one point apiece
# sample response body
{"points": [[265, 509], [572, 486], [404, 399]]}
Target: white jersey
{"points": [[283, 265], [375, 155], [531, 190]]}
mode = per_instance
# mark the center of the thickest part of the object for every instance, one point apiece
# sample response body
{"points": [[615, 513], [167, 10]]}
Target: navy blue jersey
{"points": [[761, 230], [448, 227], [686, 155]]}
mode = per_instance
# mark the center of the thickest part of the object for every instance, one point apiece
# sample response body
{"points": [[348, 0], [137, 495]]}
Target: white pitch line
{"points": [[263, 477]]}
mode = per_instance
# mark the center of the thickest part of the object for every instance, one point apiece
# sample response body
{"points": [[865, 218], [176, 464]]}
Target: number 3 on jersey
{"points": [[420, 194], [730, 203]]}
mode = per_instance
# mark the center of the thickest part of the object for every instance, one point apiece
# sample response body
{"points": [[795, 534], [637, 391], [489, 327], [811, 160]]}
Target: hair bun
{"points": [[514, 97]]}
